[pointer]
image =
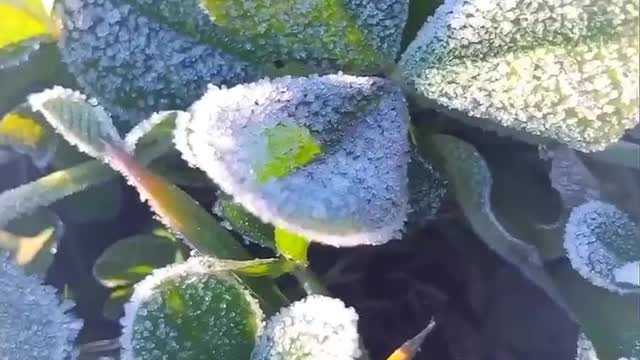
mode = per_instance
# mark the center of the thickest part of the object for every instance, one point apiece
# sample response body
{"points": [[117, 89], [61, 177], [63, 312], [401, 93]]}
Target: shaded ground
{"points": [[484, 308]]}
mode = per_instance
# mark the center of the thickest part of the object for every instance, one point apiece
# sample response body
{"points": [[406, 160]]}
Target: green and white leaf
{"points": [[131, 259], [565, 71], [603, 244], [81, 121], [136, 64], [471, 182], [315, 328], [26, 198], [322, 157], [238, 219], [34, 321], [185, 311], [353, 35]]}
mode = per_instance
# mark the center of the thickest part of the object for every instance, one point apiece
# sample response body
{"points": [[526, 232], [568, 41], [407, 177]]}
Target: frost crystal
{"points": [[603, 245], [354, 191], [586, 350], [34, 323], [136, 66], [189, 311], [355, 35], [563, 70], [315, 328], [81, 122]]}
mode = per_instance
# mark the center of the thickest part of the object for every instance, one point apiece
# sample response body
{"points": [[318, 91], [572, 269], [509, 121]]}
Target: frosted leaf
{"points": [[34, 323], [134, 65], [188, 311], [562, 70], [322, 157], [603, 245], [23, 131], [427, 189], [571, 178], [78, 120], [586, 350], [155, 128], [315, 328], [354, 35]]}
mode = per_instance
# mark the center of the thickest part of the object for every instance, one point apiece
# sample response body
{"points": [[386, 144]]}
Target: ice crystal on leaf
{"points": [[134, 65], [190, 311], [80, 121], [354, 35], [562, 70], [342, 179], [603, 245], [34, 323], [315, 328]]}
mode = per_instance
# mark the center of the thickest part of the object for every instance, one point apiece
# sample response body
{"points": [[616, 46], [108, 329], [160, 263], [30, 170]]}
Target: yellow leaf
{"points": [[21, 129], [19, 22]]}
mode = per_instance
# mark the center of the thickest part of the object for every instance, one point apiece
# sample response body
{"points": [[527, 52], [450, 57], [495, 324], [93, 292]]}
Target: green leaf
{"points": [[471, 182], [43, 68], [253, 268], [188, 309], [243, 222], [48, 189], [80, 208], [131, 259], [560, 71], [59, 184], [32, 241], [609, 320], [292, 246], [183, 215], [101, 43], [353, 193], [357, 35], [24, 132], [82, 123]]}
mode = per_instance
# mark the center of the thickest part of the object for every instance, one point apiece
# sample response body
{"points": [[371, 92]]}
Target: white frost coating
{"points": [[139, 133], [216, 306], [603, 245], [628, 274], [564, 70], [586, 351], [351, 35], [136, 66], [34, 323], [355, 193], [81, 123], [16, 54], [315, 328]]}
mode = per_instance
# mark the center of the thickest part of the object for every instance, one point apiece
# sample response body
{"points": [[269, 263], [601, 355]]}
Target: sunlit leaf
{"points": [[243, 222], [561, 71], [24, 132], [292, 246], [131, 259], [81, 121], [32, 241], [342, 178], [101, 43], [188, 309]]}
